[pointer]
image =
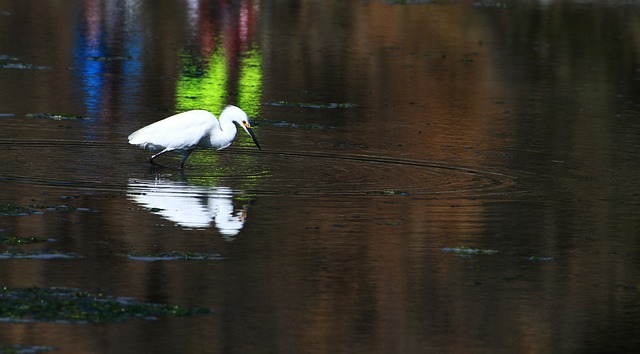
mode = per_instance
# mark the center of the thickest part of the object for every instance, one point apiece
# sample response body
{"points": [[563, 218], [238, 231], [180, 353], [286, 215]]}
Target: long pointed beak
{"points": [[247, 127]]}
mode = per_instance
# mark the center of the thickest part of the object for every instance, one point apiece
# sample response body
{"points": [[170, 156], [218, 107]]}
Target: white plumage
{"points": [[187, 131]]}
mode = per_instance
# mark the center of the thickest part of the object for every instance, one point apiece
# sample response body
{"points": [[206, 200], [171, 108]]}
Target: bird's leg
{"points": [[156, 155], [185, 155]]}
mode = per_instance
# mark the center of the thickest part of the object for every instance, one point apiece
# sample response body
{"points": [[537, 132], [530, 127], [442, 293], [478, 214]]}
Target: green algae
{"points": [[16, 210], [77, 306]]}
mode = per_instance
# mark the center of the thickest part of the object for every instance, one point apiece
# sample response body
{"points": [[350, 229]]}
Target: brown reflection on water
{"points": [[439, 90]]}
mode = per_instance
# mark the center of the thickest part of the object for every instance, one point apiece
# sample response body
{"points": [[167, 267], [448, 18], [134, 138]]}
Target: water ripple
{"points": [[271, 172]]}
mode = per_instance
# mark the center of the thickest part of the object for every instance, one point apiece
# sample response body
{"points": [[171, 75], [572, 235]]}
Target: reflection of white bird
{"points": [[190, 206], [184, 132]]}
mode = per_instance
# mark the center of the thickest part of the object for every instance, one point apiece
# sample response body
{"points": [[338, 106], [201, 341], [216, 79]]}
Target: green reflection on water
{"points": [[203, 88], [239, 171], [250, 82]]}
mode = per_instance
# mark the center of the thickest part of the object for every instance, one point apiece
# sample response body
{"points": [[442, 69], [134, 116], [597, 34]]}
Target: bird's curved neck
{"points": [[227, 125], [225, 136]]}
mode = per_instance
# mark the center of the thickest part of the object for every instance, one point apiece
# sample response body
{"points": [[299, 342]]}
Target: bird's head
{"points": [[240, 117]]}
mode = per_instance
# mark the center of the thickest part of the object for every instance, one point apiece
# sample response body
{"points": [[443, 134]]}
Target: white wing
{"points": [[179, 131]]}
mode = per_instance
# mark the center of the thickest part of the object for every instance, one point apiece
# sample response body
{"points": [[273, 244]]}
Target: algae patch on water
{"points": [[77, 306], [24, 349], [18, 210], [12, 209]]}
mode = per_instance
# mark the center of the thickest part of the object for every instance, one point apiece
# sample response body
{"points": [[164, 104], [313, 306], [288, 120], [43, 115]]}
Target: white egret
{"points": [[187, 131]]}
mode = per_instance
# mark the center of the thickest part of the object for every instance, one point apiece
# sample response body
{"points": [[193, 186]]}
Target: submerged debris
{"points": [[21, 66], [23, 240], [60, 207], [13, 254], [494, 4], [109, 58], [539, 259], [175, 256], [55, 116], [411, 2], [10, 62], [331, 105], [388, 192], [283, 124], [468, 251], [73, 305], [24, 349]]}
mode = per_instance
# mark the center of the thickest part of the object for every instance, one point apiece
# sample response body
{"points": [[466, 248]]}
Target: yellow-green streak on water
{"points": [[250, 82], [207, 91]]}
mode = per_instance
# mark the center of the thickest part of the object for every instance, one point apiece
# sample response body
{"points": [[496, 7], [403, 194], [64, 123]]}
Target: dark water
{"points": [[397, 139]]}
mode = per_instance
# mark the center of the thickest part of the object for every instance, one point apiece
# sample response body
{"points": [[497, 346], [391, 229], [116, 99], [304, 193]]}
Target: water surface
{"points": [[448, 177]]}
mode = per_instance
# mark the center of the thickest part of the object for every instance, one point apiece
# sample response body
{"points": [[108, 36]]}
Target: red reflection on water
{"points": [[234, 23]]}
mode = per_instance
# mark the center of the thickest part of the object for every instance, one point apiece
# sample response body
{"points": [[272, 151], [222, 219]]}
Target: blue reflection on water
{"points": [[107, 58]]}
